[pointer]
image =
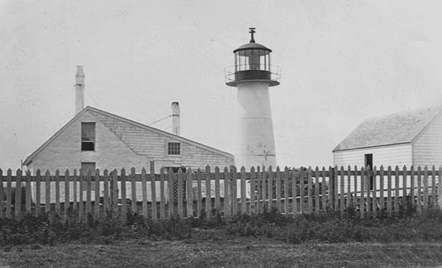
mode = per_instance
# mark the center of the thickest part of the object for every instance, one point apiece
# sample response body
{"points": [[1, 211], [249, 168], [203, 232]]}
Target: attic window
{"points": [[88, 136], [173, 148]]}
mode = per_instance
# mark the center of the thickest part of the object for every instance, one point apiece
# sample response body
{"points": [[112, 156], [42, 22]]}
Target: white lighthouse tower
{"points": [[252, 74]]}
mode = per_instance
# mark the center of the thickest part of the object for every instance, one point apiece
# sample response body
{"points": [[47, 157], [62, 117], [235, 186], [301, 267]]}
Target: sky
{"points": [[341, 62]]}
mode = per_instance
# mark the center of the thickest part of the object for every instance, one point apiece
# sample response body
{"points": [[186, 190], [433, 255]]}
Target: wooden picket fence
{"points": [[228, 192]]}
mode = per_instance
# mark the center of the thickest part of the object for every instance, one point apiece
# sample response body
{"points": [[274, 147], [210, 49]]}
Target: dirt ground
{"points": [[222, 252]]}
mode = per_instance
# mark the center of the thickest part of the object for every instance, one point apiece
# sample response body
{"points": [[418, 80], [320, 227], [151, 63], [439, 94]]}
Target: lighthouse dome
{"points": [[252, 45]]}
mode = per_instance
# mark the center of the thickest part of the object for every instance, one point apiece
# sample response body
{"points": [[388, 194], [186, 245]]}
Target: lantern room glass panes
{"points": [[252, 59]]}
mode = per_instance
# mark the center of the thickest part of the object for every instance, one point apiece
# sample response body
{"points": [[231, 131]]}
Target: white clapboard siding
{"points": [[390, 155]]}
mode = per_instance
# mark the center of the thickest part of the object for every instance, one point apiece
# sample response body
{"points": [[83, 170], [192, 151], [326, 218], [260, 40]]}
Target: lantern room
{"points": [[252, 64]]}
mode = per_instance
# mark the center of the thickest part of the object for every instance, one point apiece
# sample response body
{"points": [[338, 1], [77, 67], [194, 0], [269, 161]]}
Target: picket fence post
{"points": [[133, 191], [419, 189], [189, 193], [396, 192], [162, 195], [153, 190], [439, 197], [323, 189], [105, 193], [17, 205], [123, 214], [425, 190], [362, 193], [208, 207], [88, 194], [217, 190], [374, 194], [433, 187], [114, 193], [234, 187], [179, 195], [199, 196], [349, 194], [2, 195], [301, 191], [341, 192], [8, 194], [331, 190], [57, 192], [97, 193], [286, 190], [355, 186], [28, 202], [243, 190]]}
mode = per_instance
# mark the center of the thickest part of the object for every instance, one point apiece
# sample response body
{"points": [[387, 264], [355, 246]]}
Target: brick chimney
{"points": [[175, 118], [79, 89]]}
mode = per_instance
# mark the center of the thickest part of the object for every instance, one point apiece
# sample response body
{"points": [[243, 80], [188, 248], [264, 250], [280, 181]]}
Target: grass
{"points": [[230, 252], [266, 240]]}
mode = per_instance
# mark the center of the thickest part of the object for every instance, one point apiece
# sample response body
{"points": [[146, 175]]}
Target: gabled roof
{"points": [[129, 131], [398, 128]]}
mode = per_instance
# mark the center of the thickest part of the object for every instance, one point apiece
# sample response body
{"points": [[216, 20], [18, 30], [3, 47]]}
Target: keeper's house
{"points": [[98, 139], [406, 138]]}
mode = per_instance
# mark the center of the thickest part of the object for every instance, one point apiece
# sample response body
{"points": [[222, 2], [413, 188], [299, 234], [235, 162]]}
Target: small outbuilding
{"points": [[411, 138]]}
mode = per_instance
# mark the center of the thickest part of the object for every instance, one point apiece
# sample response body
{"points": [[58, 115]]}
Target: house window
{"points": [[368, 161], [173, 148], [88, 136]]}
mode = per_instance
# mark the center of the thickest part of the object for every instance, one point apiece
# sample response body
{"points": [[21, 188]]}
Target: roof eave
{"points": [[163, 132], [373, 146]]}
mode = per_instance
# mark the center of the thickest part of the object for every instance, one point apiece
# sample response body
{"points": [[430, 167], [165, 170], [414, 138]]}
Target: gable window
{"points": [[173, 148], [88, 136]]}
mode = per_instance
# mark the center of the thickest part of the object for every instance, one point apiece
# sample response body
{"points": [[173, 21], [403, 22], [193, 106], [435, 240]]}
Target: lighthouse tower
{"points": [[253, 74]]}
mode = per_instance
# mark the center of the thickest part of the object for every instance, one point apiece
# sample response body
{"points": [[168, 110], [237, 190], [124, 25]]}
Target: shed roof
{"points": [[398, 128], [129, 131]]}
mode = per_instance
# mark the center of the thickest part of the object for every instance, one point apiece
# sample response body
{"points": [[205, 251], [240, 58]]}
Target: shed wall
{"points": [[391, 155]]}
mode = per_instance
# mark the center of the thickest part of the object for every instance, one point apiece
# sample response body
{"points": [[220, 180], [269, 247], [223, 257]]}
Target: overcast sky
{"points": [[341, 61]]}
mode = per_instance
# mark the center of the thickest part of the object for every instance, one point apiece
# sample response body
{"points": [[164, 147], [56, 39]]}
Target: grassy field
{"points": [[222, 251], [266, 240]]}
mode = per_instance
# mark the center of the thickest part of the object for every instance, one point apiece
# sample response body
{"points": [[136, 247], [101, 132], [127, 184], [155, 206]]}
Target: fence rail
{"points": [[228, 192]]}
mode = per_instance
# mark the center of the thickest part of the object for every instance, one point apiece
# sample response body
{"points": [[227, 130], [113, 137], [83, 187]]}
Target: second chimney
{"points": [[175, 118], [79, 89]]}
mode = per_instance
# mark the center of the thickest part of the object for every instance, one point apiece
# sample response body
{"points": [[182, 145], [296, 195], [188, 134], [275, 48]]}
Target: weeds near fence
{"points": [[51, 230], [324, 227], [329, 227]]}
